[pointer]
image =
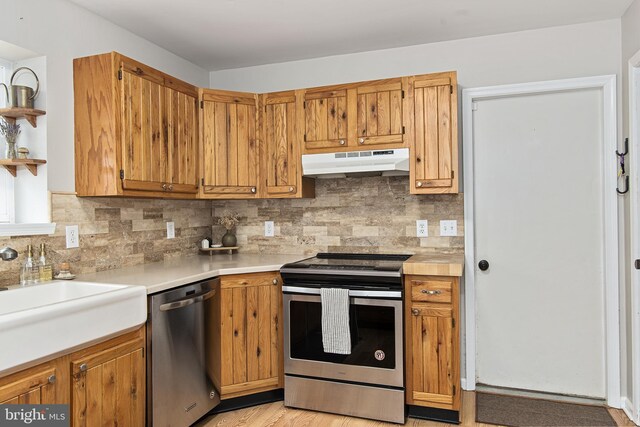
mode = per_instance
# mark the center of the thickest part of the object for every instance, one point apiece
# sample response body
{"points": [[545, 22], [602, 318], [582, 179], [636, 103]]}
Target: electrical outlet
{"points": [[422, 228], [171, 230], [449, 228], [73, 236], [269, 229]]}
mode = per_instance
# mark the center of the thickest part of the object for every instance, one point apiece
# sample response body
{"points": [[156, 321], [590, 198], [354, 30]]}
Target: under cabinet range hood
{"points": [[356, 163]]}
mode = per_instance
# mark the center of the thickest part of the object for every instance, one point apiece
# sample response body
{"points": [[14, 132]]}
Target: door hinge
{"points": [[454, 390], [403, 130], [305, 137], [453, 322], [637, 263], [304, 104], [402, 94], [452, 174], [201, 104], [120, 74], [202, 181], [121, 173], [451, 89]]}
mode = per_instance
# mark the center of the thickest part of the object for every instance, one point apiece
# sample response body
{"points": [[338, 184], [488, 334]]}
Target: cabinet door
{"points": [[380, 114], [433, 374], [250, 334], [229, 147], [182, 134], [35, 386], [108, 384], [281, 145], [434, 154], [145, 151], [325, 119]]}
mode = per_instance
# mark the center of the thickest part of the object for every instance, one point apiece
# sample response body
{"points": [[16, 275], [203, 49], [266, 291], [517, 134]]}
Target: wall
{"points": [[630, 28], [550, 53], [375, 214], [61, 31], [115, 233]]}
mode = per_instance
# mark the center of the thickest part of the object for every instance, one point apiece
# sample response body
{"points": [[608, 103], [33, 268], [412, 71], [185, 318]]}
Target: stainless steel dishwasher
{"points": [[179, 391]]}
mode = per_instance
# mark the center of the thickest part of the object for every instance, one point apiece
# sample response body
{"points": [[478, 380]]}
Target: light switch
{"points": [[449, 228]]}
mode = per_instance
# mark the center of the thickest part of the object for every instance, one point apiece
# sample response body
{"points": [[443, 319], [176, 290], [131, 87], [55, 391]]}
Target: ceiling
{"points": [[222, 34]]}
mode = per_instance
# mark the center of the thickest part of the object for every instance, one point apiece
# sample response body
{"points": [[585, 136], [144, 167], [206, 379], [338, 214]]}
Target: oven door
{"points": [[375, 321]]}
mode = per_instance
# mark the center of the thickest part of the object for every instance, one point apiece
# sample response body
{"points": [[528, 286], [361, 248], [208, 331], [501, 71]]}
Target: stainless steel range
{"points": [[369, 381]]}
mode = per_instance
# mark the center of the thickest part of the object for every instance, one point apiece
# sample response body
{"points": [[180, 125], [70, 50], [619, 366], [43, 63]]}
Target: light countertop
{"points": [[160, 276], [435, 265]]}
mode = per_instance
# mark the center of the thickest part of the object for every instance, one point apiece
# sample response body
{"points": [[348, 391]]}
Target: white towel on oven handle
{"points": [[336, 337]]}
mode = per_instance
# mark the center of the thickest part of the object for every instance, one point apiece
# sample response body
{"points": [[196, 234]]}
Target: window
{"points": [[7, 204]]}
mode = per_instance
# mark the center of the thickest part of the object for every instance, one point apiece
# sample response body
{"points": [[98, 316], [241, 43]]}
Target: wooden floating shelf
{"points": [[211, 251], [12, 165], [30, 114]]}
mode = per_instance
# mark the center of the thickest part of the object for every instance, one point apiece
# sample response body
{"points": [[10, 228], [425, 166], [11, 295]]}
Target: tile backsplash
{"points": [[373, 214]]}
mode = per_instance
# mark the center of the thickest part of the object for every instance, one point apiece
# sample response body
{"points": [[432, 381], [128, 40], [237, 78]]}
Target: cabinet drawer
{"points": [[431, 290], [248, 280]]}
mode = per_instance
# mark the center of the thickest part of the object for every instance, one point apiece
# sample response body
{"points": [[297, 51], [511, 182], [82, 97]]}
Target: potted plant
{"points": [[229, 222], [10, 131]]}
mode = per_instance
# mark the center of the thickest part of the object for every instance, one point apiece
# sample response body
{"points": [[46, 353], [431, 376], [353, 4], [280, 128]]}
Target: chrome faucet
{"points": [[8, 254]]}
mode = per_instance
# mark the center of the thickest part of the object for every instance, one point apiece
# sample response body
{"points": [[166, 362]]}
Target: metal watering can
{"points": [[21, 96]]}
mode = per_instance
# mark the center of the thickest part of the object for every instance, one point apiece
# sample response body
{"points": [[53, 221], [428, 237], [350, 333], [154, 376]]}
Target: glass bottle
{"points": [[30, 272], [45, 268]]}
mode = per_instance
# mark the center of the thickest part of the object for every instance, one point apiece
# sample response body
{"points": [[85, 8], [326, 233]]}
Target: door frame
{"points": [[610, 214], [633, 408]]}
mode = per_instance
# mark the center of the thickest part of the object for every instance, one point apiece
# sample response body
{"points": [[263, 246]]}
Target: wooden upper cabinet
{"points": [[434, 147], [380, 113], [280, 159], [325, 118], [182, 137], [228, 144], [136, 130]]}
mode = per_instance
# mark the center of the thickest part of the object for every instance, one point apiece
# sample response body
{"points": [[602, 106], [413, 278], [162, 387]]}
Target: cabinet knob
{"points": [[83, 367], [253, 189], [361, 140], [52, 379], [275, 281], [164, 187], [429, 292], [419, 184], [342, 142], [290, 189], [415, 312], [170, 187]]}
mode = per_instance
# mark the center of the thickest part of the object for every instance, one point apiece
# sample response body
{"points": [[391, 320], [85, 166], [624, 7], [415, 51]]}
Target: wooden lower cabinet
{"points": [[432, 342], [108, 383], [244, 334], [38, 385], [103, 384]]}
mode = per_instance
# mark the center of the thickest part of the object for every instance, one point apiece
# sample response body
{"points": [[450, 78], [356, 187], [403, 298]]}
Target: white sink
{"points": [[49, 319]]}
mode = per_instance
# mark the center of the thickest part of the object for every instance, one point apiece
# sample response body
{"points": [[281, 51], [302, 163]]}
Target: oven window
{"points": [[372, 329]]}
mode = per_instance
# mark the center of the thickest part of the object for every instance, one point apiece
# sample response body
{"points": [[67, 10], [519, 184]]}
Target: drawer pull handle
{"points": [[429, 292], [361, 140], [275, 281], [415, 312], [83, 367], [342, 142], [52, 379], [253, 189]]}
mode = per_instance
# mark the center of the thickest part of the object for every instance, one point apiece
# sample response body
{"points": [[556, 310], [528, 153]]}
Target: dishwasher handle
{"points": [[184, 302]]}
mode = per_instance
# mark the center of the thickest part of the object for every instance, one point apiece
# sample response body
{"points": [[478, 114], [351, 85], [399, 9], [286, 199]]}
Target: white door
{"points": [[538, 203]]}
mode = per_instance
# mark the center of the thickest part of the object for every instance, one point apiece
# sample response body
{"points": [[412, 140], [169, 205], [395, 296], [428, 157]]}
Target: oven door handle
{"points": [[352, 292]]}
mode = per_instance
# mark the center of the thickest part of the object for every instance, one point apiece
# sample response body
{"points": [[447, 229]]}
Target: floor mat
{"points": [[521, 411]]}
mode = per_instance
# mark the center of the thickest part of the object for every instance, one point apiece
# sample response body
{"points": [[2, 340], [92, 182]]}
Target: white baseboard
{"points": [[627, 407]]}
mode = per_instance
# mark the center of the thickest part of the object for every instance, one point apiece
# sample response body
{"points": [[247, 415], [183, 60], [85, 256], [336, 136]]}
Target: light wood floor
{"points": [[276, 415]]}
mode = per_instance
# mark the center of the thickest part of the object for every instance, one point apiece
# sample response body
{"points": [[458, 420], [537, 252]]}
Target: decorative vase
{"points": [[229, 239], [10, 153]]}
